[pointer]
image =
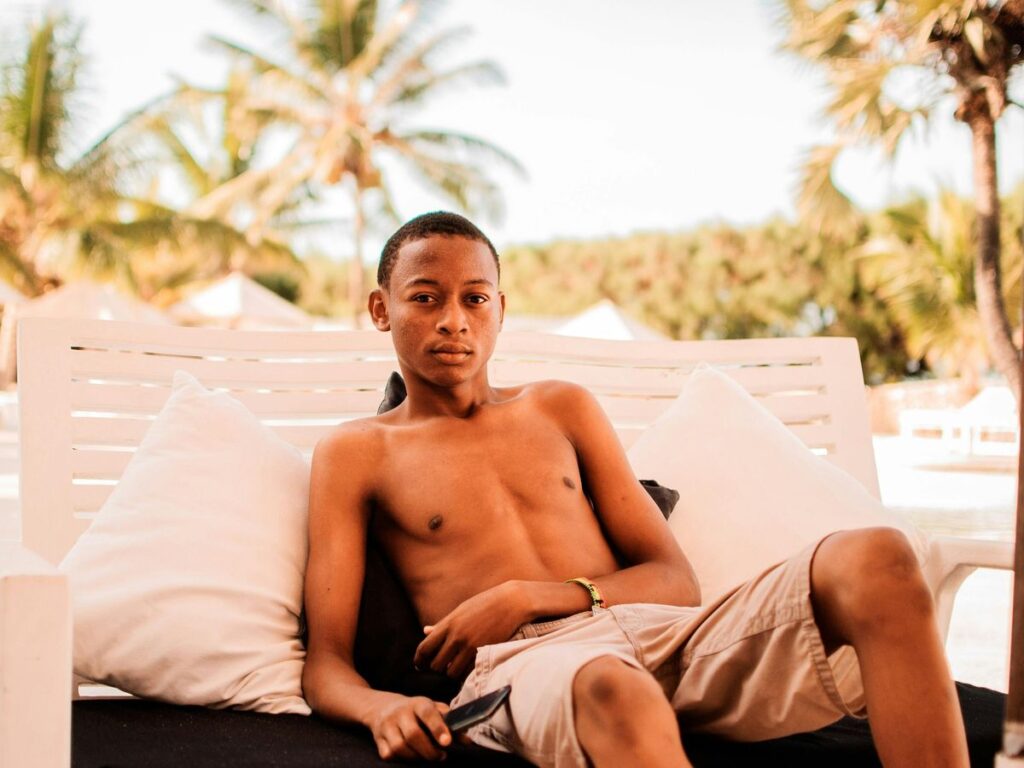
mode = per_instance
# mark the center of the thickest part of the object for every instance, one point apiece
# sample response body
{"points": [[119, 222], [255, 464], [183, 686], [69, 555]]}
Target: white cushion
{"points": [[187, 586], [751, 493]]}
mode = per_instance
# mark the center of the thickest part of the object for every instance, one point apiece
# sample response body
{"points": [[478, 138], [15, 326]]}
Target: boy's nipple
{"points": [[435, 522]]}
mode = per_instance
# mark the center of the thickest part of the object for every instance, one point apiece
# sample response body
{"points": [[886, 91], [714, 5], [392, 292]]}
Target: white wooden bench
{"points": [[89, 389]]}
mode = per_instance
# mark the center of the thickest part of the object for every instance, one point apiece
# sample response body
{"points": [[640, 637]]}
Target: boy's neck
{"points": [[462, 401]]}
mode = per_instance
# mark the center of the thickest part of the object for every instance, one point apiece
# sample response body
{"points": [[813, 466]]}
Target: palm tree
{"points": [[53, 202], [934, 49], [207, 139], [65, 213], [919, 260], [345, 90]]}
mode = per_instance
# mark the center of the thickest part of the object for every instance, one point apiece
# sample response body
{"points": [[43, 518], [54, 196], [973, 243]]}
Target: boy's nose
{"points": [[452, 319]]}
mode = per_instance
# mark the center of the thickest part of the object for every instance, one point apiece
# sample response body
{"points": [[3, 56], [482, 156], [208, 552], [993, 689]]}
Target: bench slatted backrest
{"points": [[88, 391]]}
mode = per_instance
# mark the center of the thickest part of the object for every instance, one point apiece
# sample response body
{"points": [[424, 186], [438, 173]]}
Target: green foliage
{"points": [[57, 204], [891, 65], [325, 287], [284, 284], [36, 95], [900, 281]]}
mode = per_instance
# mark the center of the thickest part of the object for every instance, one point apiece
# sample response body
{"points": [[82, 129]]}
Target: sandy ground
{"points": [[940, 492]]}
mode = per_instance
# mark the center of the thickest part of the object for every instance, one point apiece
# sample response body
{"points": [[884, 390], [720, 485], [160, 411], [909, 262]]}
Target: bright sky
{"points": [[655, 114]]}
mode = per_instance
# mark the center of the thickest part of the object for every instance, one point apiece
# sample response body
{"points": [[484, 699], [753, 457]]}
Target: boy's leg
{"points": [[868, 591], [622, 716]]}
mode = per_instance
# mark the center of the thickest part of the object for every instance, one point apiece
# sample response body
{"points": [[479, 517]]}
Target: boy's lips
{"points": [[451, 353]]}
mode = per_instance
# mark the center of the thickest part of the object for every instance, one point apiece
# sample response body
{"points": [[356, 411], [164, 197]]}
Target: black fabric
{"points": [[151, 734], [388, 633], [123, 734], [847, 744], [394, 393], [665, 498]]}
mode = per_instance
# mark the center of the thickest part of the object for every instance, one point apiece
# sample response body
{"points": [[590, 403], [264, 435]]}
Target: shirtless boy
{"points": [[487, 500]]}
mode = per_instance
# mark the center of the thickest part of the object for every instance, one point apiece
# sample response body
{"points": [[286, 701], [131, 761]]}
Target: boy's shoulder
{"points": [[558, 393], [355, 438]]}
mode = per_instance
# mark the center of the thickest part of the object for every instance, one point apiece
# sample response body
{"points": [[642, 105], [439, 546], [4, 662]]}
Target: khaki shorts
{"points": [[751, 666]]}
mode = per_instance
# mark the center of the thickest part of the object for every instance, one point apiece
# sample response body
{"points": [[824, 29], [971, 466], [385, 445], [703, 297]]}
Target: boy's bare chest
{"points": [[464, 475]]}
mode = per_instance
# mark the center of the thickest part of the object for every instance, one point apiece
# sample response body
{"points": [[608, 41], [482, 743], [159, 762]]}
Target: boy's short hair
{"points": [[435, 223]]}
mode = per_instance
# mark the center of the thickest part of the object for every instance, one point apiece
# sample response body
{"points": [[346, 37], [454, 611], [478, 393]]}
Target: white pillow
{"points": [[751, 493], [187, 586]]}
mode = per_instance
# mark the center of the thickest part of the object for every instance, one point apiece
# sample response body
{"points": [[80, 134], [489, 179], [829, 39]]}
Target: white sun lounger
{"points": [[88, 390], [986, 426]]}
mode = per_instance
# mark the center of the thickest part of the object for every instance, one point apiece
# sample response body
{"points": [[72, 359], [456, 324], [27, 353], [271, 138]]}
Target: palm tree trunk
{"points": [[355, 266], [987, 276]]}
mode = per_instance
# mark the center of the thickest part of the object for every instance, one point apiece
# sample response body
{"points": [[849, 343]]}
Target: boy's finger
{"points": [[426, 650], [443, 658], [462, 663], [418, 741], [433, 721]]}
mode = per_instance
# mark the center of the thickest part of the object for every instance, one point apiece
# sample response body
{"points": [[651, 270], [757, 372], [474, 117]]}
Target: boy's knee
{"points": [[869, 576], [609, 685]]}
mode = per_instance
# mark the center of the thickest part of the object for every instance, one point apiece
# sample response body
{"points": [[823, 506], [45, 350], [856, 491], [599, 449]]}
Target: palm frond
{"points": [[11, 182], [38, 93], [822, 32], [820, 203], [339, 31], [462, 183], [424, 84], [17, 272], [471, 148], [308, 84]]}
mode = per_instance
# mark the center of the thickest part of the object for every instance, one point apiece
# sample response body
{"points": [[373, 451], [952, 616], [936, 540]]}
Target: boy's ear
{"points": [[379, 310], [501, 317]]}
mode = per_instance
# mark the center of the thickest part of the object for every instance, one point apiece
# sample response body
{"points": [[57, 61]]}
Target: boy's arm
{"points": [[339, 495], [657, 570]]}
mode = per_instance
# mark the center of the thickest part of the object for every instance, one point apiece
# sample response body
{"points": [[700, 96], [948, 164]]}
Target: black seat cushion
{"points": [[121, 733]]}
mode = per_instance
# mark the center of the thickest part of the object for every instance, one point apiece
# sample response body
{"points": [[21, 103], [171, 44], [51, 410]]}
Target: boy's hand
{"points": [[411, 729], [489, 617]]}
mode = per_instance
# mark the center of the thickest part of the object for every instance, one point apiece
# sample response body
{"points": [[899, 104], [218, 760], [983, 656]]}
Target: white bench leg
{"points": [[35, 661]]}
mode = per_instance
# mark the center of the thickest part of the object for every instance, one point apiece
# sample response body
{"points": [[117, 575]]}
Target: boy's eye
{"points": [[422, 298], [476, 298]]}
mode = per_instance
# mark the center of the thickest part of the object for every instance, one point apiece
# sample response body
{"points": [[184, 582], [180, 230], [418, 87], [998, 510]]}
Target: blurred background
{"points": [[657, 169]]}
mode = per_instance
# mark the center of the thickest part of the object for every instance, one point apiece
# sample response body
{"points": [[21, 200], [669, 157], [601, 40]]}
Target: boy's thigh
{"points": [[755, 665], [538, 721]]}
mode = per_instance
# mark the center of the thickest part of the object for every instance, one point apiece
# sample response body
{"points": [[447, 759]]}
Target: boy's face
{"points": [[443, 308]]}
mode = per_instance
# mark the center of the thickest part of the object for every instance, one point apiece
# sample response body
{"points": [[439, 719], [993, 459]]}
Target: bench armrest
{"points": [[35, 660], [951, 559]]}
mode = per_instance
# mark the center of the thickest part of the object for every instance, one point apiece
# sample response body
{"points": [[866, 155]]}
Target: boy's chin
{"points": [[451, 375]]}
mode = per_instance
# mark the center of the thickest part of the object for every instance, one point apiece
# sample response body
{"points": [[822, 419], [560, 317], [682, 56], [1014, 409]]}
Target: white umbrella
{"points": [[82, 299], [605, 320], [238, 301]]}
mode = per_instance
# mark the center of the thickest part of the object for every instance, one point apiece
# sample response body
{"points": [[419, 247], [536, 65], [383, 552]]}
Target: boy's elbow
{"points": [[688, 587], [693, 596], [309, 685], [316, 680]]}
